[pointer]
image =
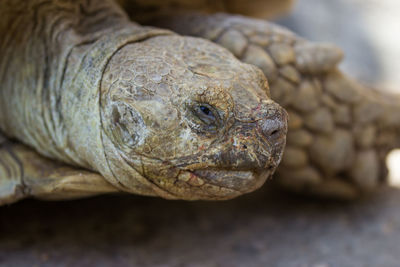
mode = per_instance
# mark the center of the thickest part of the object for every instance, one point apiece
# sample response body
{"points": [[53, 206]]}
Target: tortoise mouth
{"points": [[232, 180]]}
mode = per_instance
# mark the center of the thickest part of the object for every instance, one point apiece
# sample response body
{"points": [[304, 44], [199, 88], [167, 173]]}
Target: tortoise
{"points": [[110, 105], [92, 103]]}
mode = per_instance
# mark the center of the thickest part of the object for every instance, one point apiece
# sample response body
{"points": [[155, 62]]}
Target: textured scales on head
{"points": [[185, 115]]}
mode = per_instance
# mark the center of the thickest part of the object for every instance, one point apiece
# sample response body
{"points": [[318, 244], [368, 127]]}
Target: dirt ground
{"points": [[263, 229]]}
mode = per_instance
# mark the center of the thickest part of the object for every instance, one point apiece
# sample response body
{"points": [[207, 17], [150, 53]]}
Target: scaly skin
{"points": [[339, 131], [153, 112]]}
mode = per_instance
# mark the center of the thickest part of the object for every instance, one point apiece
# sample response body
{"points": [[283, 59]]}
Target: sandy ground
{"points": [[268, 228], [262, 229]]}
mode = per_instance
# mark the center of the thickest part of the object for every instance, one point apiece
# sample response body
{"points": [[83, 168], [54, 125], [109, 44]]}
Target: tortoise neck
{"points": [[53, 56]]}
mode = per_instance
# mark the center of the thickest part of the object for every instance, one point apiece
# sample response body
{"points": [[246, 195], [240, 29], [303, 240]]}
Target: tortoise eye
{"points": [[206, 114], [205, 110]]}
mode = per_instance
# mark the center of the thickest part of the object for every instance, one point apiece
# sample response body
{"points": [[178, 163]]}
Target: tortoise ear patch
{"points": [[125, 125]]}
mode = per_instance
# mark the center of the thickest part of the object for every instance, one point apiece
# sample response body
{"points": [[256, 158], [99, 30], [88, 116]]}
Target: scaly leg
{"points": [[24, 173], [11, 185], [339, 131]]}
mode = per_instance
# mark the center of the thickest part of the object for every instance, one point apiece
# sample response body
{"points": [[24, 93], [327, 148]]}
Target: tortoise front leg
{"points": [[24, 173], [339, 131], [11, 185]]}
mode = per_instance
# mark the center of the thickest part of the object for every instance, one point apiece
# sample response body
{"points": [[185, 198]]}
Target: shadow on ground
{"points": [[262, 229]]}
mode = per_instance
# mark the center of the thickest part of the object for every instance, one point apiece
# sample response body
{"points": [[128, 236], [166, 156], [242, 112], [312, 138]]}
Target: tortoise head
{"points": [[185, 118]]}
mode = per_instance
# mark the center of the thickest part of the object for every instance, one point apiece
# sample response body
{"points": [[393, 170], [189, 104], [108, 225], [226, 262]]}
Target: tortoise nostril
{"points": [[275, 132], [274, 128]]}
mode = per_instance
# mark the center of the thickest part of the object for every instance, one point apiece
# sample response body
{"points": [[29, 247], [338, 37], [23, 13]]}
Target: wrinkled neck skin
{"points": [[45, 49], [154, 113], [53, 56]]}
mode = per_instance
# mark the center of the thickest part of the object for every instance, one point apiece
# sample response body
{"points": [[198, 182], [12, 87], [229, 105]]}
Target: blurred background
{"points": [[368, 31], [267, 228]]}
